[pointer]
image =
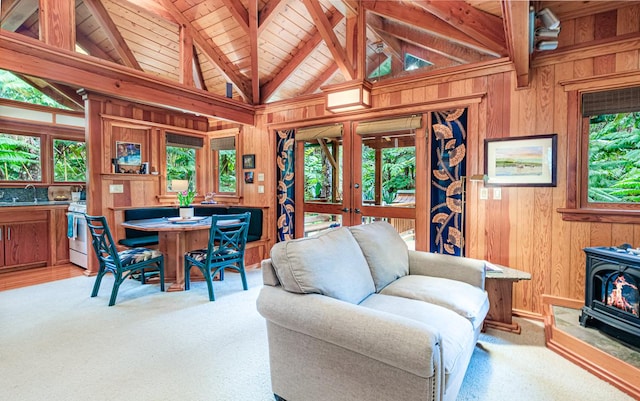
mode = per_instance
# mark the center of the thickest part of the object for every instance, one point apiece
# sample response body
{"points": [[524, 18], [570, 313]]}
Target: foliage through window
{"points": [[20, 158], [181, 165], [69, 160], [614, 158], [13, 88], [227, 171]]}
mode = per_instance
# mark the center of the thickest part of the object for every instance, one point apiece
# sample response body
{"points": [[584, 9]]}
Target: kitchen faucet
{"points": [[35, 197]]}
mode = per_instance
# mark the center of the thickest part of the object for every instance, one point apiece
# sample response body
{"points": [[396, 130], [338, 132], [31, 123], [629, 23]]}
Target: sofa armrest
{"points": [[400, 342], [458, 268]]}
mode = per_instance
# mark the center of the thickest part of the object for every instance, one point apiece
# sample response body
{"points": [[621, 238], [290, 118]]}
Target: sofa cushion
{"points": [[330, 264], [385, 251], [466, 300], [139, 241], [456, 332]]}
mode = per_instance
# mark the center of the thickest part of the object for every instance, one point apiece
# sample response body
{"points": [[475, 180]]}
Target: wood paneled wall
{"points": [[524, 229]]}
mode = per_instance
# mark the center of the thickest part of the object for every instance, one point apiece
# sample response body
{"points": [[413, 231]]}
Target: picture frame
{"points": [[248, 161], [525, 161], [128, 153], [248, 177]]}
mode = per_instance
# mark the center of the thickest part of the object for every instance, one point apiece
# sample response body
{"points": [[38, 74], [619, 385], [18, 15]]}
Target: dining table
{"points": [[176, 236]]}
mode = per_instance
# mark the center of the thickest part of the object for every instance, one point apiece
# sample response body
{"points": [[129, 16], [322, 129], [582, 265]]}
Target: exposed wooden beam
{"points": [[483, 26], [152, 6], [60, 93], [17, 13], [110, 29], [213, 53], [326, 75], [331, 40], [269, 88], [253, 40], [268, 13], [32, 57], [420, 18], [442, 47], [517, 29], [58, 23], [186, 58], [239, 13]]}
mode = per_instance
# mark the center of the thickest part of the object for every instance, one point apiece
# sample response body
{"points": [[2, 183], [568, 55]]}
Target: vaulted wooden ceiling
{"points": [[270, 50]]}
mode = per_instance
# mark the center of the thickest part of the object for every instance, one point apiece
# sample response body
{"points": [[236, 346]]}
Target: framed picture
{"points": [[248, 161], [248, 177], [526, 161], [128, 153]]}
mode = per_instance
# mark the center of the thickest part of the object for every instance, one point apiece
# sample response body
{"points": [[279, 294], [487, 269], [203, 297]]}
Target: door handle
{"points": [[357, 211], [345, 209]]}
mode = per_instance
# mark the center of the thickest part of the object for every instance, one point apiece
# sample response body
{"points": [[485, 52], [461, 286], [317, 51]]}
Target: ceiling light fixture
{"points": [[348, 96]]}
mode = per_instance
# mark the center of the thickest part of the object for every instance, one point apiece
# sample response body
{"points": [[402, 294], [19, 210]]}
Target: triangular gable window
{"points": [[383, 69], [14, 88], [412, 62]]}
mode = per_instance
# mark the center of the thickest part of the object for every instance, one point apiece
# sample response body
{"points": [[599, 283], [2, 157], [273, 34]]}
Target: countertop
{"points": [[5, 204]]}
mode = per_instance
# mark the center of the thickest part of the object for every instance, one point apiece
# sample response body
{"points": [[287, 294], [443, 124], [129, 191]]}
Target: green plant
{"points": [[186, 197]]}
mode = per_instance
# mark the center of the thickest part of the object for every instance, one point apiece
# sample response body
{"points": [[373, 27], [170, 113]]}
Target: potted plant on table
{"points": [[184, 199]]}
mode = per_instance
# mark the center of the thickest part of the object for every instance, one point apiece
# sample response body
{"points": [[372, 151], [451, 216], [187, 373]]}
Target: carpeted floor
{"points": [[57, 343]]}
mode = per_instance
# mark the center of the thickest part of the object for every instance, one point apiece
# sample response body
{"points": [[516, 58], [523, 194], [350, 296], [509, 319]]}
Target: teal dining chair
{"points": [[227, 243], [121, 264]]}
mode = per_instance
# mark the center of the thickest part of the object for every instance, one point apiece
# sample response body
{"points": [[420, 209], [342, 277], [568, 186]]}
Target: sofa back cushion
{"points": [[330, 264], [386, 253]]}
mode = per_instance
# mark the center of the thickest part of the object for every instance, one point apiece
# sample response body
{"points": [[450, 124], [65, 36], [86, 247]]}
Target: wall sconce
{"points": [[348, 96], [544, 37]]}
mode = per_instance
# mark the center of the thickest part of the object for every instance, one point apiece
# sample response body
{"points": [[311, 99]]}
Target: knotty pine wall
{"points": [[524, 229]]}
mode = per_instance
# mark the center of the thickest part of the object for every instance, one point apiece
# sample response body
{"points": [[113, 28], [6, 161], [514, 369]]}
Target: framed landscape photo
{"points": [[526, 161]]}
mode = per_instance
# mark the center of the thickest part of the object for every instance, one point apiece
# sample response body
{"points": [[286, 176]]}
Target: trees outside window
{"points": [[227, 171], [20, 158], [69, 160], [181, 165]]}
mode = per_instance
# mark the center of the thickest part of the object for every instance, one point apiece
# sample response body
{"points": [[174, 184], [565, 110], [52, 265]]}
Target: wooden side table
{"points": [[499, 286]]}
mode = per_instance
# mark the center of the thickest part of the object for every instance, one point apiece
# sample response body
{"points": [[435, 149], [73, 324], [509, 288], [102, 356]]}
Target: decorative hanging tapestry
{"points": [[448, 163], [285, 147]]}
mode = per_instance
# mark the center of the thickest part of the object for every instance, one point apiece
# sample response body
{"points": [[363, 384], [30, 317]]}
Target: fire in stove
{"points": [[621, 293]]}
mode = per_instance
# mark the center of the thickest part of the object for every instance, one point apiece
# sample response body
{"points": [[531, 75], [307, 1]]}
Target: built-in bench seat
{"points": [[135, 238]]}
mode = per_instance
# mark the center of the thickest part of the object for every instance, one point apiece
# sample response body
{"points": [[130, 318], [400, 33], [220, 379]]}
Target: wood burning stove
{"points": [[612, 299]]}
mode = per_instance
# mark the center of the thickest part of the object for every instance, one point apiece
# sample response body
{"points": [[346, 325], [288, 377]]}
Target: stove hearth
{"points": [[612, 298]]}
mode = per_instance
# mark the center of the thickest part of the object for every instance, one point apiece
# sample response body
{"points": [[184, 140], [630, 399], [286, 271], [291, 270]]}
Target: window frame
{"points": [[215, 168], [577, 206]]}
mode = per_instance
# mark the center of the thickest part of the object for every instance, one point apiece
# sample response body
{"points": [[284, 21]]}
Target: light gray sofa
{"points": [[352, 314]]}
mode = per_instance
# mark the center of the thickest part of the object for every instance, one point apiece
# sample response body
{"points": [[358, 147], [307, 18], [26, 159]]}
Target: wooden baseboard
{"points": [[612, 370]]}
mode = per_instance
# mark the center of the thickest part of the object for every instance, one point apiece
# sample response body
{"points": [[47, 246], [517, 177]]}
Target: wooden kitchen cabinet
{"points": [[24, 239]]}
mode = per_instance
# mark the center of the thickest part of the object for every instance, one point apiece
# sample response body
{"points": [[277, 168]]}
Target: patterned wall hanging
{"points": [[285, 147], [448, 163]]}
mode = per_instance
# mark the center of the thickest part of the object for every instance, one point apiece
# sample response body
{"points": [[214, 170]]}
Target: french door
{"points": [[358, 173]]}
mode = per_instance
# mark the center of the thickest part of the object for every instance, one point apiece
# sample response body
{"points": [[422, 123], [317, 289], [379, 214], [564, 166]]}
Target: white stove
{"points": [[77, 233]]}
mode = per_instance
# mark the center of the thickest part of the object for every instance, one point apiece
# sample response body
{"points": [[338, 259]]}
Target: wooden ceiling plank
{"points": [[326, 75], [328, 35], [253, 40], [101, 14], [269, 88], [91, 48], [213, 53], [483, 26], [151, 6], [517, 35], [32, 57], [424, 20], [18, 13], [239, 13]]}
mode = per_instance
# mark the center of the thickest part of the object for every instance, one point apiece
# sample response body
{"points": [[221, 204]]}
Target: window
{"points": [[69, 160], [224, 159], [20, 158], [611, 149], [181, 166]]}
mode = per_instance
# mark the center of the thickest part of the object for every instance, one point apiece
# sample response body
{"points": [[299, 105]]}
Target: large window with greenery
{"points": [[20, 158], [611, 148], [69, 160], [14, 88], [181, 165], [225, 164]]}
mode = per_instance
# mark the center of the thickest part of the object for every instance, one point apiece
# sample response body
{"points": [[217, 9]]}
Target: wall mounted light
{"points": [[545, 36], [348, 96]]}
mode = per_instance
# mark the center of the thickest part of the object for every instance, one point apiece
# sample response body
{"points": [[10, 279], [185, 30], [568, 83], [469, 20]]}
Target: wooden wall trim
{"points": [[143, 124], [589, 50], [601, 82]]}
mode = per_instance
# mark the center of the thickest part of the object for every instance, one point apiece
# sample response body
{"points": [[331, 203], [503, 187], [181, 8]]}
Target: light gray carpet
{"points": [[57, 343]]}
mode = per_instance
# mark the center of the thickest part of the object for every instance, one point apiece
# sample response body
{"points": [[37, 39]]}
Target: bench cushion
{"points": [[139, 241]]}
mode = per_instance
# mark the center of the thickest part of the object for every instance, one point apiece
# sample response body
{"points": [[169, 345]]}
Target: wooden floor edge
{"points": [[618, 373]]}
